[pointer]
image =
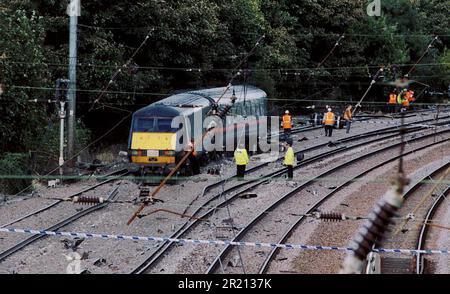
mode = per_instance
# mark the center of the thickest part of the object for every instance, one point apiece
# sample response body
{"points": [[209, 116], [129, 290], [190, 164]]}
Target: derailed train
{"points": [[154, 145]]}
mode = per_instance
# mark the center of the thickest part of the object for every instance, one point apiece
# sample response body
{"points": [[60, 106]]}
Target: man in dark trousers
{"points": [[289, 159], [329, 121], [241, 159]]}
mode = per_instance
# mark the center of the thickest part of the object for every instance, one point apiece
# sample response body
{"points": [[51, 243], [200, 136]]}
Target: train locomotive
{"points": [[153, 145]]}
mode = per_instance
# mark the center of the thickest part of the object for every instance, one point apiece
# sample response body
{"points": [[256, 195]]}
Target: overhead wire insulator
{"points": [[222, 113], [330, 216], [88, 200], [372, 232]]}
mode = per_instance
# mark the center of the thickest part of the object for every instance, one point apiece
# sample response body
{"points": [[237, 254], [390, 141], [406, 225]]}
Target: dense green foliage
{"points": [[211, 35]]}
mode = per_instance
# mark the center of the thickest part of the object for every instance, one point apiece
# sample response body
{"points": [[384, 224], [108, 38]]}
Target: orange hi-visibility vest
{"points": [[328, 119], [392, 99], [347, 114], [287, 121], [405, 102], [410, 96]]}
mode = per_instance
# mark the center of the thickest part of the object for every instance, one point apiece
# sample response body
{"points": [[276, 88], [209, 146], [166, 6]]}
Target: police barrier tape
{"points": [[214, 242]]}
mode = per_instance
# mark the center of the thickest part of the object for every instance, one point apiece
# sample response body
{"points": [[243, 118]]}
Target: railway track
{"points": [[112, 195], [421, 241], [277, 209], [407, 235], [158, 254], [269, 174], [12, 250], [209, 188]]}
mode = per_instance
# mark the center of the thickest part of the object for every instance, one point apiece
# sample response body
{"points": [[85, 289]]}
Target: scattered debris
{"points": [[234, 262], [332, 144], [85, 272], [291, 184], [228, 221], [332, 187], [314, 192], [53, 183], [345, 204], [214, 171], [72, 244], [100, 262], [303, 139], [248, 195]]}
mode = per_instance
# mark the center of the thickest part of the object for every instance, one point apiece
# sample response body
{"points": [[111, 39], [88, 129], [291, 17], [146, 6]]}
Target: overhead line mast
{"points": [[73, 10]]}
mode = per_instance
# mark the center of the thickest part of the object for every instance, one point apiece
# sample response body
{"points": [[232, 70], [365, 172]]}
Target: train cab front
{"points": [[152, 141]]}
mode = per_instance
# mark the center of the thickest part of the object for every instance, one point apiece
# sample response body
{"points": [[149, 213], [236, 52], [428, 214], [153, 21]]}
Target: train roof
{"points": [[205, 97], [189, 101]]}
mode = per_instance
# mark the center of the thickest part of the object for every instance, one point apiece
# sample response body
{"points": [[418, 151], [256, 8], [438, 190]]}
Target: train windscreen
{"points": [[164, 125], [150, 124]]}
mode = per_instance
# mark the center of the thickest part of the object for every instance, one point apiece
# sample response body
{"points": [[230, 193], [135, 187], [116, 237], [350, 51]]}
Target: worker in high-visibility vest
{"points": [[400, 100], [289, 159], [241, 159], [392, 102], [405, 103], [287, 124], [348, 116], [328, 122], [410, 95]]}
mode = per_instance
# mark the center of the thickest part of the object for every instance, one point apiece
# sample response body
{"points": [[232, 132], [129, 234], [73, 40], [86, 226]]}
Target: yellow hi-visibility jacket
{"points": [[399, 98], [289, 157], [241, 157]]}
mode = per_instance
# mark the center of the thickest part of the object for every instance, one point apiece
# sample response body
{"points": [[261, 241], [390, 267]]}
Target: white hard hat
{"points": [[287, 112], [329, 109]]}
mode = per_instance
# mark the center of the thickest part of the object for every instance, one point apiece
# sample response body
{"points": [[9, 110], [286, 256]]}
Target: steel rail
{"points": [[424, 229], [272, 255], [19, 246], [71, 196], [215, 264], [187, 226], [255, 168]]}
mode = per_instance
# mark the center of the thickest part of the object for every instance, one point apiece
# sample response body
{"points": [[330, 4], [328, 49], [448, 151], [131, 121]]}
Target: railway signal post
{"points": [[61, 97]]}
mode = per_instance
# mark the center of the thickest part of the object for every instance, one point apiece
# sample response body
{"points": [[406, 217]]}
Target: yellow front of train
{"points": [[152, 141]]}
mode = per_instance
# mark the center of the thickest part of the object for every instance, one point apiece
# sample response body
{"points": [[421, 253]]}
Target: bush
{"points": [[15, 172]]}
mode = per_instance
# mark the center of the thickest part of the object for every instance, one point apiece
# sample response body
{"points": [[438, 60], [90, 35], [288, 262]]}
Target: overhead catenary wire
{"points": [[193, 145], [324, 59], [199, 30], [118, 71], [200, 69], [81, 150], [423, 55]]}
